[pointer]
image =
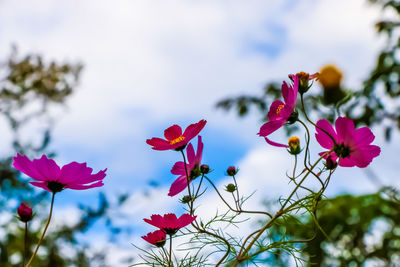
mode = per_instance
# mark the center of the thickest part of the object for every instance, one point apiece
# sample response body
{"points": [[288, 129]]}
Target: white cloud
{"points": [[152, 63]]}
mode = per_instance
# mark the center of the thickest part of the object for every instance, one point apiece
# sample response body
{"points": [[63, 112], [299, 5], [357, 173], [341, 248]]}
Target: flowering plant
{"points": [[209, 241]]}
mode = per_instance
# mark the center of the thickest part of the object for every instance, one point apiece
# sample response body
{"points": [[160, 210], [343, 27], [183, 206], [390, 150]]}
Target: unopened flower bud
{"points": [[230, 188], [231, 171], [24, 212], [330, 163], [294, 145], [186, 199], [204, 169]]}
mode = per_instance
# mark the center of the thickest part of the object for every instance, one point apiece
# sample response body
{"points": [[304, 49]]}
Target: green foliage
{"points": [[351, 226], [30, 87]]}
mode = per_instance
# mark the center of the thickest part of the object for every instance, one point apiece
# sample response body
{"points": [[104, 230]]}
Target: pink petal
{"points": [[194, 129], [173, 132], [272, 143], [170, 221], [290, 92], [47, 168], [190, 153], [155, 220], [93, 177], [41, 185], [286, 91], [347, 162], [199, 154], [270, 127], [322, 138], [272, 113], [178, 186], [185, 220], [178, 168], [23, 164], [83, 187], [364, 155], [158, 143], [364, 136], [74, 171], [344, 128]]}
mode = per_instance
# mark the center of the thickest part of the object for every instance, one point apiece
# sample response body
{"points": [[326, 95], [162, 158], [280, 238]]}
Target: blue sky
{"points": [[151, 64]]}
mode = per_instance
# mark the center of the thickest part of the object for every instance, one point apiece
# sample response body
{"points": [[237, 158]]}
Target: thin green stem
{"points": [[44, 232], [277, 215], [25, 244], [237, 192], [170, 251]]}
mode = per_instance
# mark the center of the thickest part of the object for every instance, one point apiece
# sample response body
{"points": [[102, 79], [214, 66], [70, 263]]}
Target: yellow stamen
{"points": [[303, 75], [278, 110], [177, 140]]}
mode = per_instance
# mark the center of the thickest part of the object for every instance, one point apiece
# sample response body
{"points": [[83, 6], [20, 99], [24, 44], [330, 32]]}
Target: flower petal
{"points": [[23, 164], [158, 143], [345, 129], [363, 136], [273, 110], [324, 139], [272, 143], [270, 127], [178, 168], [199, 153], [190, 153], [155, 220], [41, 185], [178, 186], [173, 132], [74, 171], [194, 129], [185, 220], [47, 168], [83, 187]]}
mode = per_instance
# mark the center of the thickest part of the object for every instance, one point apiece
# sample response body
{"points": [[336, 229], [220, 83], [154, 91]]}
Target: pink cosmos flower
{"points": [[351, 146], [174, 137], [169, 222], [193, 167], [24, 212], [48, 175], [156, 238], [279, 113]]}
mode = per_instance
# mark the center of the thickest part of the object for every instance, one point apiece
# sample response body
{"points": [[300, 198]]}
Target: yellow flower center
{"points": [[330, 76], [303, 75], [278, 110], [177, 140], [294, 141]]}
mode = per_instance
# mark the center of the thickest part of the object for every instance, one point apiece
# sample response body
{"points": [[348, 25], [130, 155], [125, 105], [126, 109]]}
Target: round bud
{"points": [[231, 171], [230, 188], [24, 212], [204, 169]]}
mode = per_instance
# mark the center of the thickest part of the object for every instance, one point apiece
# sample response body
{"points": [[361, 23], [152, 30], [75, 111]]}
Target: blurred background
{"points": [[90, 81]]}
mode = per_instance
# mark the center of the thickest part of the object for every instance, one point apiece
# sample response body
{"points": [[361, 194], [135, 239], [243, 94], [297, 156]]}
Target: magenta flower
{"points": [[174, 137], [156, 238], [193, 167], [24, 212], [280, 112], [351, 146], [169, 222], [48, 175]]}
